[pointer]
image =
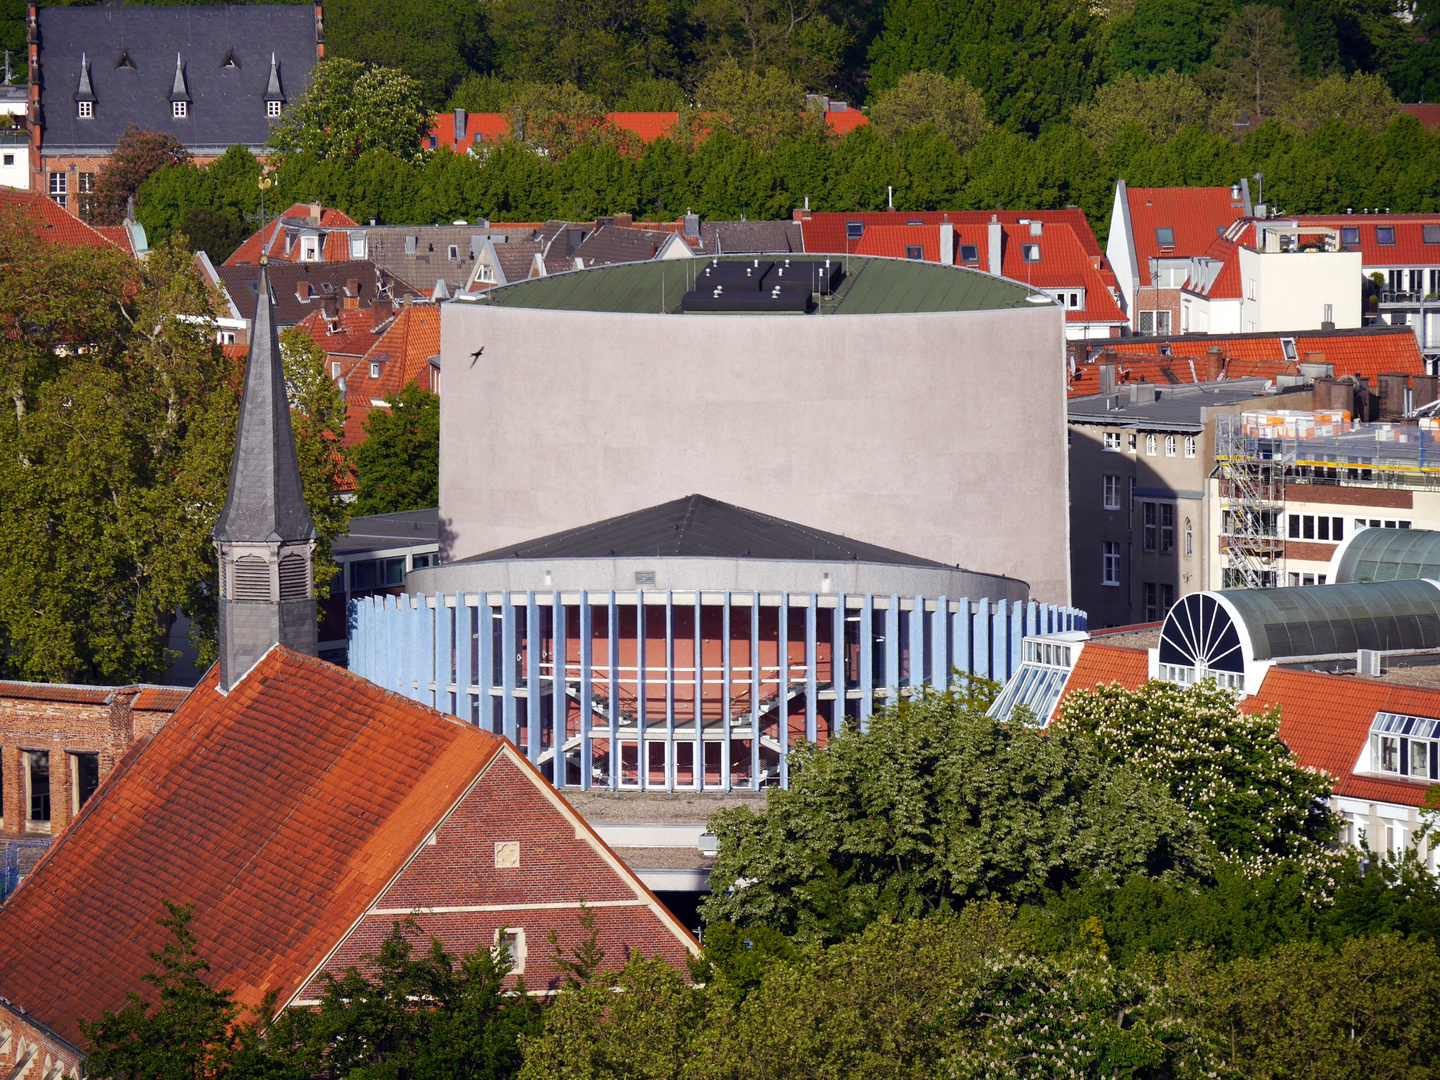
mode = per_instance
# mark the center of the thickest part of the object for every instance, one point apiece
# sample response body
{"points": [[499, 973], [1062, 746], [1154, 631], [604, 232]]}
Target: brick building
{"points": [[57, 743], [369, 808]]}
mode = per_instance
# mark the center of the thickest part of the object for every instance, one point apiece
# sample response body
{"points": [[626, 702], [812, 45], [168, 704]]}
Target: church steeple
{"points": [[265, 534]]}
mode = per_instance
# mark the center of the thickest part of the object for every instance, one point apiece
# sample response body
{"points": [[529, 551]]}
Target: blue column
{"points": [[444, 673], [980, 639], [940, 644], [699, 695], [508, 661], [782, 689], [461, 643], [534, 714], [917, 643], [613, 661], [866, 638], [669, 695], [1017, 638], [559, 648], [640, 673], [485, 661], [392, 643], [837, 665], [755, 680], [811, 661], [587, 633], [892, 648]]}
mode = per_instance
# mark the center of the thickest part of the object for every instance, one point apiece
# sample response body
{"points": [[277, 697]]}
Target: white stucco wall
{"points": [[1289, 290], [942, 435]]}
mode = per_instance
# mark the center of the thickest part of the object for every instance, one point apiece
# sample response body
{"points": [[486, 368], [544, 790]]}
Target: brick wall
{"points": [[29, 1051], [65, 721], [455, 890]]}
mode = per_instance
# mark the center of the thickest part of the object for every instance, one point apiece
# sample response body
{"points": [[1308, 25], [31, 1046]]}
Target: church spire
{"points": [[265, 534]]}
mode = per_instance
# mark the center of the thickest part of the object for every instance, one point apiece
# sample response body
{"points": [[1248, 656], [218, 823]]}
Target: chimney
{"points": [[316, 210], [1365, 401], [1107, 379], [1143, 392], [1214, 362], [1424, 389], [1392, 395], [380, 310], [947, 243], [459, 125], [692, 226], [330, 306], [303, 292], [1315, 367], [623, 219], [997, 238]]}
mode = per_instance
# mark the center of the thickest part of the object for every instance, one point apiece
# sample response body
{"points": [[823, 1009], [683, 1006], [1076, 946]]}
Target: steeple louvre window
{"points": [[294, 578], [251, 579]]}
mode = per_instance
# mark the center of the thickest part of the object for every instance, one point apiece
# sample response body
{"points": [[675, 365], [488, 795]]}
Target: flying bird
{"points": [[476, 355]]}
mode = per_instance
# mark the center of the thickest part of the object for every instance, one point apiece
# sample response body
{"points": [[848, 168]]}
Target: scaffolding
{"points": [[1251, 470]]}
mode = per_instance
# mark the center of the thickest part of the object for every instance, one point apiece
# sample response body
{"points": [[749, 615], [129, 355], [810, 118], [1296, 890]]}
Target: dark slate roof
{"points": [[264, 502], [375, 532], [326, 281], [620, 244], [750, 237], [700, 527], [227, 103], [420, 254]]}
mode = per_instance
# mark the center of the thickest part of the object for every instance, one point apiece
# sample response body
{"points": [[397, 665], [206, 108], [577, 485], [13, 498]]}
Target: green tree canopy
{"points": [[137, 156], [435, 44], [1161, 106], [951, 106], [349, 108], [765, 107], [398, 465], [1168, 35], [1256, 62]]}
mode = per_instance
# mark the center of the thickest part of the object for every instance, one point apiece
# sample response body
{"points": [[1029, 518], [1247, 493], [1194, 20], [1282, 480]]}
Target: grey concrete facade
{"points": [[937, 433], [710, 575]]}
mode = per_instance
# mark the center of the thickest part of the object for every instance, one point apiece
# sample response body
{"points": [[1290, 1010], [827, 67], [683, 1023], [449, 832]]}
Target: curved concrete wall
{"points": [[711, 575], [939, 434]]}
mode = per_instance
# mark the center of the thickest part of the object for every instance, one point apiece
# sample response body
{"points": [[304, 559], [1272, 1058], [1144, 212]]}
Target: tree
{"points": [[1031, 60], [1167, 35], [796, 37], [1159, 105], [763, 107], [435, 44], [1226, 767], [951, 106], [1361, 102], [192, 1031], [137, 156], [1255, 61], [398, 465], [934, 806], [349, 108], [214, 232]]}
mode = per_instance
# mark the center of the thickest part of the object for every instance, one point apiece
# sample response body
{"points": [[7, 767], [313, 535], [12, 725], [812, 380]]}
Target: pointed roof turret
{"points": [[272, 92], [178, 91], [85, 93], [265, 503]]}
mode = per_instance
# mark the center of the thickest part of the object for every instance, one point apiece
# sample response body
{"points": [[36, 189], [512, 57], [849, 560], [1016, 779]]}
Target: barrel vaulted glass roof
{"points": [[871, 286], [1389, 555], [1321, 620]]}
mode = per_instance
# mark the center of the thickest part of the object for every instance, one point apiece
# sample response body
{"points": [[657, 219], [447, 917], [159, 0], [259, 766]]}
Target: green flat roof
{"points": [[871, 286]]}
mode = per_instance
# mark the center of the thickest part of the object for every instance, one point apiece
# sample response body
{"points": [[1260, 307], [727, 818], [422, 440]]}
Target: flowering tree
{"points": [[1228, 768], [349, 108]]}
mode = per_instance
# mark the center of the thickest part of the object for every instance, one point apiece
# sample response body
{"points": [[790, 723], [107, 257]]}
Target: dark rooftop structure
{"points": [[1178, 408], [866, 286], [701, 527], [373, 532], [300, 288], [751, 237], [1387, 555], [131, 65]]}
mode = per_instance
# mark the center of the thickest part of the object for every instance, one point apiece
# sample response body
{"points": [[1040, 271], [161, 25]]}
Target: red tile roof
{"points": [[1409, 248], [1101, 665], [1196, 214], [1325, 720], [891, 240], [58, 226], [160, 698], [646, 125], [403, 351], [1428, 115], [825, 232], [844, 121], [337, 245], [76, 695]]}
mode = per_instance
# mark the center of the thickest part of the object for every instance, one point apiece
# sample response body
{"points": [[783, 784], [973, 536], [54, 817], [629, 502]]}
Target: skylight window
{"points": [[914, 251], [1287, 346], [969, 253], [1384, 234], [1430, 234], [854, 230], [914, 223], [1165, 236], [1350, 234], [1030, 252]]}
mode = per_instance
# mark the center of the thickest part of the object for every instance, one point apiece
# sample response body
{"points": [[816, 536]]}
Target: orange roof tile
{"points": [[1325, 720], [1408, 248], [1197, 215], [268, 240], [891, 240], [58, 226], [281, 810], [403, 352], [844, 121], [1428, 115], [1101, 665], [1373, 351]]}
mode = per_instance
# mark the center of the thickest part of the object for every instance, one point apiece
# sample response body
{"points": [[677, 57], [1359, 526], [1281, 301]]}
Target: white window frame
{"points": [[273, 109], [1110, 441], [1110, 562], [1189, 446], [85, 110], [1110, 484], [517, 962], [179, 110], [1170, 445], [1150, 444]]}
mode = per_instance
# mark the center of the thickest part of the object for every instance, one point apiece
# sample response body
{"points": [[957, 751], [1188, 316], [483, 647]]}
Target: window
{"points": [[434, 142], [1030, 252], [1149, 445], [1170, 444], [1405, 745], [1167, 527], [179, 109], [272, 109], [1189, 445], [1350, 235], [335, 369], [1134, 442], [309, 249], [969, 253], [357, 245], [1316, 527], [1112, 492], [59, 187], [1287, 346], [37, 773], [1110, 563], [1430, 234], [1151, 513], [854, 230], [510, 949], [84, 779], [1154, 322], [87, 181], [377, 573], [1159, 599], [1384, 234], [1378, 523], [454, 252], [1189, 539], [85, 109], [9, 159], [374, 369], [1165, 236], [1112, 440], [225, 337], [914, 251]]}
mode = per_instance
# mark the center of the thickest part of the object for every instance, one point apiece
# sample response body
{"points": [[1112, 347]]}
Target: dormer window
{"points": [[272, 109], [85, 110], [179, 109], [84, 92], [274, 96], [1405, 746], [179, 95]]}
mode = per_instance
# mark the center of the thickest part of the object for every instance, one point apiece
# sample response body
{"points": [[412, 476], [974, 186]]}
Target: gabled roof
{"points": [[360, 281], [1325, 720], [57, 225], [280, 810], [347, 332], [751, 237], [1409, 248], [1101, 665], [403, 351], [1195, 215], [825, 232], [700, 527], [618, 244], [225, 54], [271, 240]]}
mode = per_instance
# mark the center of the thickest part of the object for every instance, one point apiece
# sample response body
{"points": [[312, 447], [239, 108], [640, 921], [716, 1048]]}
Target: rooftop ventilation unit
{"points": [[1367, 662]]}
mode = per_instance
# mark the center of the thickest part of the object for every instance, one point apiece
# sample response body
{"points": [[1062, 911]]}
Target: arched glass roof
{"points": [[1321, 620], [1389, 555]]}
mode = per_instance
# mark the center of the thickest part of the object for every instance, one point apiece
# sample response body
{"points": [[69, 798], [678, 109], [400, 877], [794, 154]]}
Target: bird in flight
{"points": [[476, 355]]}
